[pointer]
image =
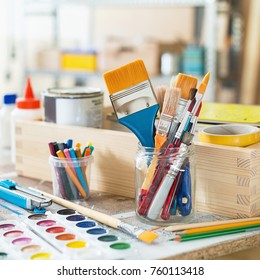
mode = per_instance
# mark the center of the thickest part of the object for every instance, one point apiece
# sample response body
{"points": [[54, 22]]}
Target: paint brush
{"points": [[166, 118], [133, 99], [198, 99], [187, 84], [142, 235]]}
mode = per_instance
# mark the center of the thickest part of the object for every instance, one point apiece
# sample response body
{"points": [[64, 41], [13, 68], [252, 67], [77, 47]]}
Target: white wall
{"points": [[77, 28]]}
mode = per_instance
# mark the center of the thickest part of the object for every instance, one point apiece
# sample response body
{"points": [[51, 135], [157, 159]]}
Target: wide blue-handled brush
{"points": [[133, 99]]}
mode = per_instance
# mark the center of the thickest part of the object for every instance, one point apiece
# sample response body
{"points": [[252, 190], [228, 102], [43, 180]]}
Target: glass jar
{"points": [[165, 184]]}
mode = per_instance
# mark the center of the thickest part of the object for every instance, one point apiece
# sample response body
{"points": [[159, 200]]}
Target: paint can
{"points": [[80, 106]]}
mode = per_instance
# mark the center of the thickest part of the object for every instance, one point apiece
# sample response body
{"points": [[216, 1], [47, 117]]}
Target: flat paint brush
{"points": [[143, 235], [198, 97], [187, 85], [133, 99], [170, 103]]}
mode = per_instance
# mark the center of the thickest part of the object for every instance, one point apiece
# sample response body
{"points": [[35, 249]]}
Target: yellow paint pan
{"points": [[238, 135]]}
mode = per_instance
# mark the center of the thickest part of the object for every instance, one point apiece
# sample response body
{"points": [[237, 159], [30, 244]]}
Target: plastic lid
{"points": [[9, 98], [28, 101]]}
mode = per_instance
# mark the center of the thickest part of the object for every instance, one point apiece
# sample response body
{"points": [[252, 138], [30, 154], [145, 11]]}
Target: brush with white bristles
{"points": [[170, 103]]}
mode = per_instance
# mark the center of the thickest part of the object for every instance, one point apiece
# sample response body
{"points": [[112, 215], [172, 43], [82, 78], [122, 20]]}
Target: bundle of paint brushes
{"points": [[136, 106], [70, 169]]}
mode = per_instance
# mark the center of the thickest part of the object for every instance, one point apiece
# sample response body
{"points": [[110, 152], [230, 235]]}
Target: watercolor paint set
{"points": [[64, 234]]}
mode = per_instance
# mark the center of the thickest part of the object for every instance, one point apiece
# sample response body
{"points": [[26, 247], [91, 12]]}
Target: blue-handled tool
{"points": [[23, 197], [184, 202]]}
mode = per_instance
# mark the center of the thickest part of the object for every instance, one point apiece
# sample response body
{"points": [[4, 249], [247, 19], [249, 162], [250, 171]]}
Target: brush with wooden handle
{"points": [[170, 103], [143, 235]]}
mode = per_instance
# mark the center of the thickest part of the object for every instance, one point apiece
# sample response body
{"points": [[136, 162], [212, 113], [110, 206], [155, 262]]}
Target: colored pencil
{"points": [[175, 228], [219, 227], [196, 236]]}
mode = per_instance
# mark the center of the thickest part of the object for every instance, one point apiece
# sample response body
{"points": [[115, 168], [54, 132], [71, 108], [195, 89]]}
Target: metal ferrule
{"points": [[182, 103], [129, 229], [164, 124], [134, 99]]}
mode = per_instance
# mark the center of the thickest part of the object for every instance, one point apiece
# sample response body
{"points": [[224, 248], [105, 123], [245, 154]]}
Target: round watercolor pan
{"points": [[120, 246], [76, 218], [3, 255], [66, 236], [66, 212], [22, 241], [46, 223], [13, 233], [86, 224], [96, 231], [31, 248], [77, 244], [7, 226], [108, 238], [55, 229], [37, 217], [41, 256]]}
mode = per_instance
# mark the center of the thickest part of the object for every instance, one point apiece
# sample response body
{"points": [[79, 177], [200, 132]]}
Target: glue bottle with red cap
{"points": [[27, 108]]}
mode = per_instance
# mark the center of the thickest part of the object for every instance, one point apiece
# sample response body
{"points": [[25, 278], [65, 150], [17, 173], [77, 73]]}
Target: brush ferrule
{"points": [[182, 103], [134, 99], [164, 124], [129, 229]]}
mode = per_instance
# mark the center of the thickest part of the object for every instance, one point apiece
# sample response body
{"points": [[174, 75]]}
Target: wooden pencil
{"points": [[174, 228]]}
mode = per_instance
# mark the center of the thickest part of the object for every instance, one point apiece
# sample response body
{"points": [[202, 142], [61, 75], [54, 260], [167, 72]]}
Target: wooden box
{"points": [[228, 180]]}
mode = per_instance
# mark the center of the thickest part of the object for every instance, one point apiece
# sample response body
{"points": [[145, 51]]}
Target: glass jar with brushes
{"points": [[165, 184]]}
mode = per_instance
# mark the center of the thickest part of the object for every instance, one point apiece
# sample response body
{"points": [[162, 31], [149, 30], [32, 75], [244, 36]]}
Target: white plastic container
{"points": [[27, 108], [5, 122]]}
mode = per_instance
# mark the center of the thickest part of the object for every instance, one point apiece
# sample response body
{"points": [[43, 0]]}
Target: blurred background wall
{"points": [[66, 43]]}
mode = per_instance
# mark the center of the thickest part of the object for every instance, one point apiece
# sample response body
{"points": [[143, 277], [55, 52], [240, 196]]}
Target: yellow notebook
{"points": [[229, 113]]}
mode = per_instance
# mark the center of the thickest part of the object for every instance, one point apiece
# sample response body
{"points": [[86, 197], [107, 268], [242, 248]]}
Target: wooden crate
{"points": [[228, 180]]}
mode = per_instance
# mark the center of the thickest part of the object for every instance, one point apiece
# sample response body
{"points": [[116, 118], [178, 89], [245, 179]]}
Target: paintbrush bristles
{"points": [[204, 83], [125, 76], [159, 93], [185, 83], [170, 102]]}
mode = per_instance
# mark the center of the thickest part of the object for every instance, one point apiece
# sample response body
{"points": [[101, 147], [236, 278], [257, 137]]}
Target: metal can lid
{"points": [[72, 92]]}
